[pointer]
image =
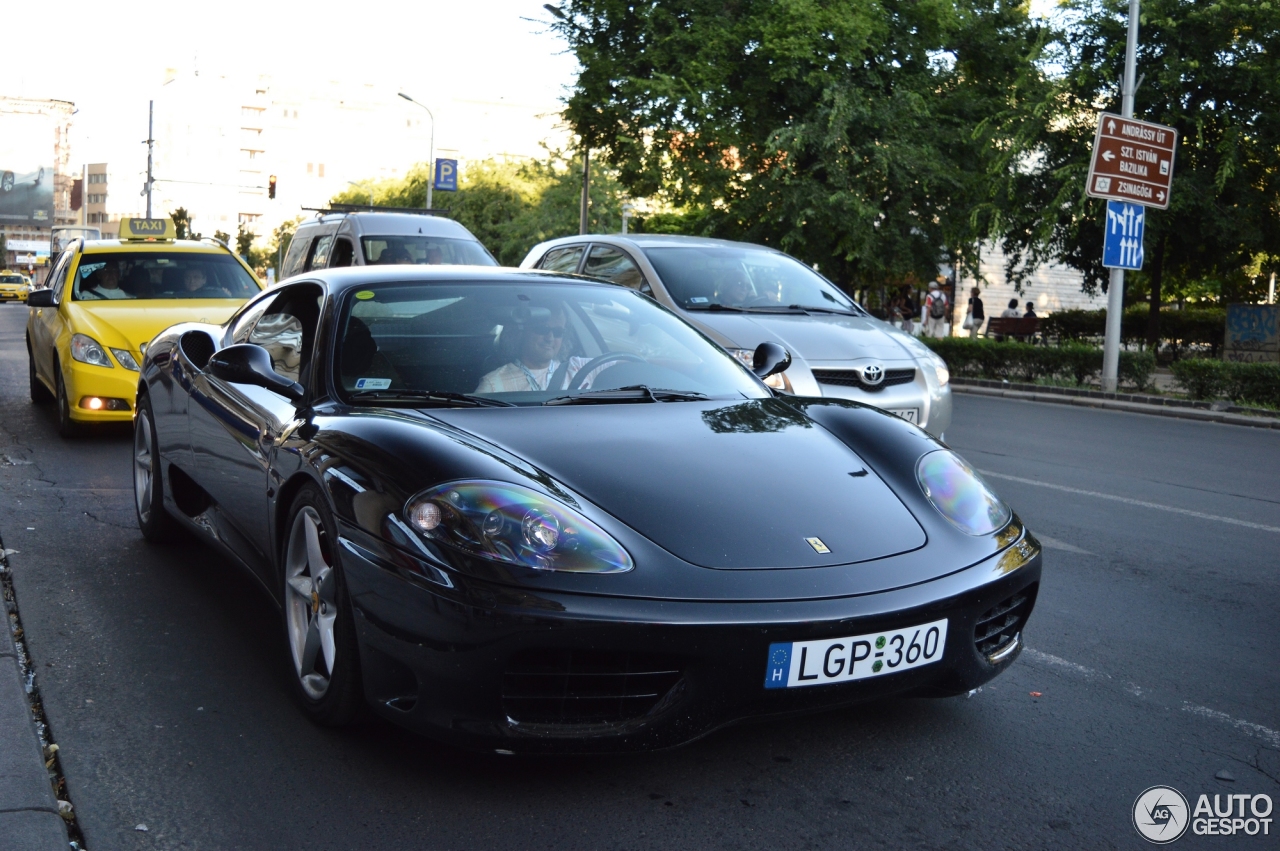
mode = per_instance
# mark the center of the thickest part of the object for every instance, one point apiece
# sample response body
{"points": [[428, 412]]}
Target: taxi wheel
{"points": [[39, 393], [67, 427], [148, 481]]}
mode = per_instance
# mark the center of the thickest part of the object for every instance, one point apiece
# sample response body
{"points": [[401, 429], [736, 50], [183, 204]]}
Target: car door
{"points": [[235, 427], [42, 320], [613, 264]]}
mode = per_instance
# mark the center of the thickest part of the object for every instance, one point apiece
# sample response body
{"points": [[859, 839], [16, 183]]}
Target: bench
{"points": [[1021, 327]]}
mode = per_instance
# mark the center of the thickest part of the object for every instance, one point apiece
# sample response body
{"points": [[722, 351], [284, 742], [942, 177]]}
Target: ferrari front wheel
{"points": [[148, 483]]}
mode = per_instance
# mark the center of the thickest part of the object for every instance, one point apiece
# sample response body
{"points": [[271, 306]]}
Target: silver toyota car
{"points": [[741, 295]]}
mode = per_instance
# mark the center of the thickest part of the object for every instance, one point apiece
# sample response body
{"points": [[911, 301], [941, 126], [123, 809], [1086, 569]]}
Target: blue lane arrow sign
{"points": [[1122, 243]]}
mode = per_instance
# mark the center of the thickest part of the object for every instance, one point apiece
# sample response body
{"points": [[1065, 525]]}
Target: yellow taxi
{"points": [[13, 286], [106, 299]]}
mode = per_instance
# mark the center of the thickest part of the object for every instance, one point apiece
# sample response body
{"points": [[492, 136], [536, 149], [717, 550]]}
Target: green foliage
{"points": [[1178, 328], [281, 238], [244, 241], [853, 135], [182, 224], [1203, 378], [510, 206], [1212, 70], [222, 236], [1013, 361]]}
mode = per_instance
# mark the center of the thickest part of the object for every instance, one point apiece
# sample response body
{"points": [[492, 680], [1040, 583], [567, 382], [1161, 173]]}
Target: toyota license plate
{"points": [[911, 415], [857, 657]]}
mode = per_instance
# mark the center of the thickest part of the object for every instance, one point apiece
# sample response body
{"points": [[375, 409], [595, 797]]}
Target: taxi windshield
{"points": [[429, 250], [10, 279], [525, 344], [161, 275]]}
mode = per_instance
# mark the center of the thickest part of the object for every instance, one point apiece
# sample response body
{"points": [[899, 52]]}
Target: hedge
{"points": [[1202, 378], [1010, 361], [1194, 326]]}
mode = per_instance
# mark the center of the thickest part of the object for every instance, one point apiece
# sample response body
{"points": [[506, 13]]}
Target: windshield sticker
{"points": [[373, 383], [698, 300], [365, 295]]}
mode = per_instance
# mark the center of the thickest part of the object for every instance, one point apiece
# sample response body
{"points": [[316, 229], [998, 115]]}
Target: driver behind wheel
{"points": [[538, 361], [733, 290]]}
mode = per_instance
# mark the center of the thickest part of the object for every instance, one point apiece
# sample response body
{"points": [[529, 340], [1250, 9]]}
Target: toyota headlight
{"points": [[960, 494], [516, 525], [86, 350], [944, 374]]}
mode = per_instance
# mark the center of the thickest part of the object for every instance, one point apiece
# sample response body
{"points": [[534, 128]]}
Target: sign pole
{"points": [[1115, 290], [151, 142]]}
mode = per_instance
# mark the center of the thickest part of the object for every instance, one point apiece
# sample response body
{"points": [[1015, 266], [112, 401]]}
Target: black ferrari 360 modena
{"points": [[525, 512]]}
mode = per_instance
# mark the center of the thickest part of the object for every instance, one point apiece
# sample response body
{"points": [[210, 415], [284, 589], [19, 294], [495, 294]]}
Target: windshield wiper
{"points": [[809, 308], [632, 393], [441, 396], [715, 305]]}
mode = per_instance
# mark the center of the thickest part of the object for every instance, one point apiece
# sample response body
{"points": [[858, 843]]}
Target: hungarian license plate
{"points": [[911, 415], [857, 657]]}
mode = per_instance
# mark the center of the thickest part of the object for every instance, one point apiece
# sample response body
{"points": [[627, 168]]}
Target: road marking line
{"points": [[1055, 544], [1127, 501], [1058, 661], [1268, 735]]}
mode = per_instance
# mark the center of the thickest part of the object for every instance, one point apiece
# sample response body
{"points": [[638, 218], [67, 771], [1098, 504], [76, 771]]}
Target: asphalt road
{"points": [[1152, 660]]}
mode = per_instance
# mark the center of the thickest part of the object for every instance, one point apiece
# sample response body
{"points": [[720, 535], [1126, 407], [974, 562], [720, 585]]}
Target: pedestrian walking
{"points": [[936, 313], [974, 317]]}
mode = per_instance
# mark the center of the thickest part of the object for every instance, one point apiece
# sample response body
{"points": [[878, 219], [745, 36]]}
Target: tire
{"points": [[67, 427], [317, 624], [40, 394], [148, 479]]}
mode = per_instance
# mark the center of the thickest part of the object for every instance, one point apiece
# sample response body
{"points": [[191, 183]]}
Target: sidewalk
{"points": [[29, 819], [1130, 403]]}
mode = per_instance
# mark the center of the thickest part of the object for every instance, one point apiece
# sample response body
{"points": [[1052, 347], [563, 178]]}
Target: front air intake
{"points": [[585, 687], [998, 628]]}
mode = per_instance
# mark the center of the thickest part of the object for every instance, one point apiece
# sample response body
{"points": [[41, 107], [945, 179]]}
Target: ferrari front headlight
{"points": [[87, 350], [960, 494], [516, 525]]}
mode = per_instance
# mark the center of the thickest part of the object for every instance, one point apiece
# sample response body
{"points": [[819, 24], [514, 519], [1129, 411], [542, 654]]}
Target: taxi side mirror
{"points": [[41, 298], [245, 363]]}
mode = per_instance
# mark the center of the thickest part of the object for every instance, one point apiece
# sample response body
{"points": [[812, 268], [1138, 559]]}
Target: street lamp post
{"points": [[431, 155]]}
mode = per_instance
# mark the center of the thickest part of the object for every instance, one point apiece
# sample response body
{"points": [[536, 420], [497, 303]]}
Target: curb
{"points": [[1178, 412], [29, 819]]}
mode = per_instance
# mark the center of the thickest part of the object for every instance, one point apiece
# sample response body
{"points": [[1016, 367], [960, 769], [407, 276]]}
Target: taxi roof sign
{"points": [[162, 229]]}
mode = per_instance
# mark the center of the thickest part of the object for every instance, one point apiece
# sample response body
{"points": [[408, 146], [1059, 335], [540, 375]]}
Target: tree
{"points": [[1212, 71], [222, 236], [182, 224], [281, 239], [849, 134]]}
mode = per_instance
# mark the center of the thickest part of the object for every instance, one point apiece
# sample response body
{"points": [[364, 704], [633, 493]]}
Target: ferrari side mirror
{"points": [[246, 363], [769, 359]]}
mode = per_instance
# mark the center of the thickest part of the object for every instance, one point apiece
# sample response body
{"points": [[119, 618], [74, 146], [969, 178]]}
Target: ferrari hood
{"points": [[750, 484], [816, 337], [135, 322]]}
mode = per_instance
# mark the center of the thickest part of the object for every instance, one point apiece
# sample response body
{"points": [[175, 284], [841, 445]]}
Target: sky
{"points": [[109, 61]]}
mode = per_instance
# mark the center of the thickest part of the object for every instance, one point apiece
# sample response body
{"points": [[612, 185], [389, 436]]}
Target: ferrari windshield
{"points": [[161, 275], [525, 344], [702, 277]]}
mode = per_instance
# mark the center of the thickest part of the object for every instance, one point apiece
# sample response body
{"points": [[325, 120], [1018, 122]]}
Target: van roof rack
{"points": [[369, 208]]}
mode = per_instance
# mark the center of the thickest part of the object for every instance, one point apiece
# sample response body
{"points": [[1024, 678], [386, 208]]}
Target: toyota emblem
{"points": [[872, 374]]}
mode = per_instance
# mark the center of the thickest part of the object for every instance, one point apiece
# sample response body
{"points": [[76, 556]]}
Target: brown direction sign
{"points": [[1132, 161]]}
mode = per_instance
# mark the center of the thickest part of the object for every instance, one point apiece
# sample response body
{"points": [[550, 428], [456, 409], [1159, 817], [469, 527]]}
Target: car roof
{"points": [[392, 224], [340, 280], [658, 240], [186, 246]]}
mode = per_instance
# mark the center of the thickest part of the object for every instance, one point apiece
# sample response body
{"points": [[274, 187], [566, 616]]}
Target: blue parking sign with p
{"points": [[1122, 241], [447, 175]]}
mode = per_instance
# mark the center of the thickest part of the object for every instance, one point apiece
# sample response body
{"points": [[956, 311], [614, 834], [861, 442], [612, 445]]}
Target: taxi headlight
{"points": [[515, 525], [960, 494], [86, 350], [125, 359]]}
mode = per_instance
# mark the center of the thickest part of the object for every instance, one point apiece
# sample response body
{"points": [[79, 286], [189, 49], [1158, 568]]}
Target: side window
{"points": [[58, 276], [287, 329], [319, 253], [562, 259], [293, 260], [614, 265], [244, 322], [342, 253]]}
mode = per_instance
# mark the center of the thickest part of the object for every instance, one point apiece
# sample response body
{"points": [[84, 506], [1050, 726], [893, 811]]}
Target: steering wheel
{"points": [[595, 363]]}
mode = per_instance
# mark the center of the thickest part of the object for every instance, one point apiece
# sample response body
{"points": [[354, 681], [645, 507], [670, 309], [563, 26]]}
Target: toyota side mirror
{"points": [[769, 359], [246, 363], [41, 298]]}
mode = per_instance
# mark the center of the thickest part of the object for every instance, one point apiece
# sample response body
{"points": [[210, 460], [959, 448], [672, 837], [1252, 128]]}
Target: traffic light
{"points": [[271, 186]]}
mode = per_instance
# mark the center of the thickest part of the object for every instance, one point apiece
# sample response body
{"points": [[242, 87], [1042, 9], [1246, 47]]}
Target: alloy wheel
{"points": [[142, 464], [312, 606]]}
